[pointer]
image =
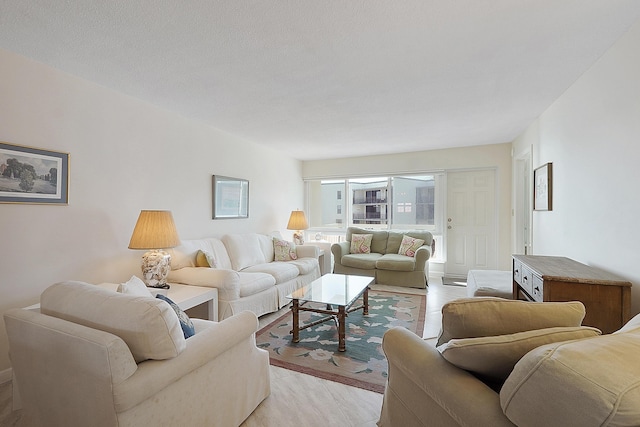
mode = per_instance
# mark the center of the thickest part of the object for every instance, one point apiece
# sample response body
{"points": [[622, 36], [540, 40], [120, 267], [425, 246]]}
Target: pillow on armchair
{"points": [[493, 358], [489, 316]]}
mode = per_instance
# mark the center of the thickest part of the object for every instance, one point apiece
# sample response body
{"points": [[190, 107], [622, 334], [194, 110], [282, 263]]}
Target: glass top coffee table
{"points": [[332, 290]]}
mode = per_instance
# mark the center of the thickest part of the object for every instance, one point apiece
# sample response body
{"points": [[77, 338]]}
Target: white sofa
{"points": [[246, 275], [95, 357]]}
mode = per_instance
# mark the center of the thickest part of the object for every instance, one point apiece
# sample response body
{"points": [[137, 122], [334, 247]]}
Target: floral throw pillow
{"points": [[360, 243], [410, 245], [284, 251]]}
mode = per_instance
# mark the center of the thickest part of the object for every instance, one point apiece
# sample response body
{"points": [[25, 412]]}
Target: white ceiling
{"points": [[330, 78]]}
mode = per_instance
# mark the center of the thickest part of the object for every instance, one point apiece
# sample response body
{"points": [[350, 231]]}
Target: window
{"points": [[388, 202]]}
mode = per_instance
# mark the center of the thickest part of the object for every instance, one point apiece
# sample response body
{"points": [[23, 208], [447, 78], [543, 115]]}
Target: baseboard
{"points": [[6, 376]]}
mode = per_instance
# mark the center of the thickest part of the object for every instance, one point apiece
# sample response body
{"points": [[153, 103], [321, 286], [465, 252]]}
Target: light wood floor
{"points": [[298, 399]]}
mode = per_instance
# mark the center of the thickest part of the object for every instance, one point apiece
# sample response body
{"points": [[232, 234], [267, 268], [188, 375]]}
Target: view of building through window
{"points": [[400, 202]]}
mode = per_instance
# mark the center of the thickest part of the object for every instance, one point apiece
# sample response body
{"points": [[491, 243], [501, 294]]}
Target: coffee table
{"points": [[338, 290]]}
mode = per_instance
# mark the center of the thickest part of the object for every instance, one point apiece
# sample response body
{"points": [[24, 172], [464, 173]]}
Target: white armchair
{"points": [[76, 365]]}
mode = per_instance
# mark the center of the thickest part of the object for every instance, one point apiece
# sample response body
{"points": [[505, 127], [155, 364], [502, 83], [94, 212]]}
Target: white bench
{"points": [[490, 283]]}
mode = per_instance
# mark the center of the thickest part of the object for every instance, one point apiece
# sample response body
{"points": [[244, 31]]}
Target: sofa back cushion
{"points": [[487, 316], [395, 239], [147, 325], [186, 254], [246, 249], [590, 382], [378, 239]]}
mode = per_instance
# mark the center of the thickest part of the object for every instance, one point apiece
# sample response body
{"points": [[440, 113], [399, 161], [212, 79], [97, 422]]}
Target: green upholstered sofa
{"points": [[384, 262]]}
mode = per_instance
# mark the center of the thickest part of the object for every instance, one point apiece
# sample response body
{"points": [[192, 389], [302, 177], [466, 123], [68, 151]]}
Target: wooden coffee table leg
{"points": [[296, 325], [341, 328], [365, 302]]}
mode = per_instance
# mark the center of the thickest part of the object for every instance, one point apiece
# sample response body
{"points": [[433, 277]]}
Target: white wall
{"points": [[592, 136], [125, 155], [496, 156]]}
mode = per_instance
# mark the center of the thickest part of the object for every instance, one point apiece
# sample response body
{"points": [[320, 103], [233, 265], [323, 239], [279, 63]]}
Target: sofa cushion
{"points": [[284, 250], [244, 250], [487, 316], [494, 357], [590, 382], [378, 241], [396, 262], [253, 283], [186, 254], [362, 261], [360, 244], [149, 326], [134, 286], [395, 239], [281, 271], [306, 265], [206, 259], [409, 246], [188, 330]]}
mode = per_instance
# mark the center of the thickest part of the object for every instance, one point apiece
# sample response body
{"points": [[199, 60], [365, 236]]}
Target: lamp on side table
{"points": [[155, 230], [297, 222]]}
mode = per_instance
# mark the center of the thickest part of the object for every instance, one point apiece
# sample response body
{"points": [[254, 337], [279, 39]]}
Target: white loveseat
{"points": [[95, 357], [245, 271]]}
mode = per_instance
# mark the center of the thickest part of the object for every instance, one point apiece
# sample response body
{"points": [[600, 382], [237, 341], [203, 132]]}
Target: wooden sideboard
{"points": [[606, 297]]}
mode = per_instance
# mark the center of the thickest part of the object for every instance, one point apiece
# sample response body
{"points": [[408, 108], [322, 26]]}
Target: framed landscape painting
{"points": [[542, 180], [33, 175]]}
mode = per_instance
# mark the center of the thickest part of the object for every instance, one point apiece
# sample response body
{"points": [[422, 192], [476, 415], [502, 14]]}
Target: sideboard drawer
{"points": [[537, 287], [517, 272], [527, 281]]}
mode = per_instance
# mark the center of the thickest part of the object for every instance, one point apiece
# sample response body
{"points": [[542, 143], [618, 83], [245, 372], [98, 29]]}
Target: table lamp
{"points": [[298, 222], [155, 230]]}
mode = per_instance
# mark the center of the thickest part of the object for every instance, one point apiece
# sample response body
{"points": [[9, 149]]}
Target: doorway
{"points": [[471, 222]]}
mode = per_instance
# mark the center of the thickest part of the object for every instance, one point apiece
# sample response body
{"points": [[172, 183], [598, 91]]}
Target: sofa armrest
{"points": [[202, 348], [339, 250], [307, 251], [423, 253], [456, 396], [226, 281]]}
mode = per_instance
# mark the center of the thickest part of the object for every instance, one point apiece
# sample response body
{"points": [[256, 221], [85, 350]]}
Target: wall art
{"points": [[230, 197], [542, 186], [33, 175]]}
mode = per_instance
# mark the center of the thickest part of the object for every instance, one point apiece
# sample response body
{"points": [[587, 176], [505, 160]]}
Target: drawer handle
{"points": [[537, 289]]}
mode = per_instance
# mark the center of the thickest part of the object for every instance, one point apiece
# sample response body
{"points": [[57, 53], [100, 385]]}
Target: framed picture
{"points": [[542, 185], [32, 175], [230, 197]]}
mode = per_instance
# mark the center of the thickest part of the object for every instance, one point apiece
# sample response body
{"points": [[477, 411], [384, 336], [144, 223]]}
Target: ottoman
{"points": [[490, 283]]}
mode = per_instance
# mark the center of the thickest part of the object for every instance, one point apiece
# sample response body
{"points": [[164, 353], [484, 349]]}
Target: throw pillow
{"points": [[360, 243], [494, 357], [489, 316], [185, 323], [283, 250], [205, 259], [409, 245], [135, 286]]}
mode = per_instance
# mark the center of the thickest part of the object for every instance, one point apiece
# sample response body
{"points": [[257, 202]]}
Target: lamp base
{"points": [[298, 237], [155, 268]]}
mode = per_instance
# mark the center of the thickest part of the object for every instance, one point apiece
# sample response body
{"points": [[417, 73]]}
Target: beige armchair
{"points": [[93, 357], [505, 363]]}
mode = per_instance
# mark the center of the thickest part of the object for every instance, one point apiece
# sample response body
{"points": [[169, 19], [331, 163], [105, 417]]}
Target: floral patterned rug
{"points": [[363, 364]]}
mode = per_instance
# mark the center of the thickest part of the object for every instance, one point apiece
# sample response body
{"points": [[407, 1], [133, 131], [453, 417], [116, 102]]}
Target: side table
{"points": [[324, 259], [186, 296]]}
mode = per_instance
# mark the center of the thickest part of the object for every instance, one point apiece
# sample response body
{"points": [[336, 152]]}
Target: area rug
{"points": [[363, 364]]}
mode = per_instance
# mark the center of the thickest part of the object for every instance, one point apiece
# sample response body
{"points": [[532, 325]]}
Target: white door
{"points": [[471, 222], [522, 196]]}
